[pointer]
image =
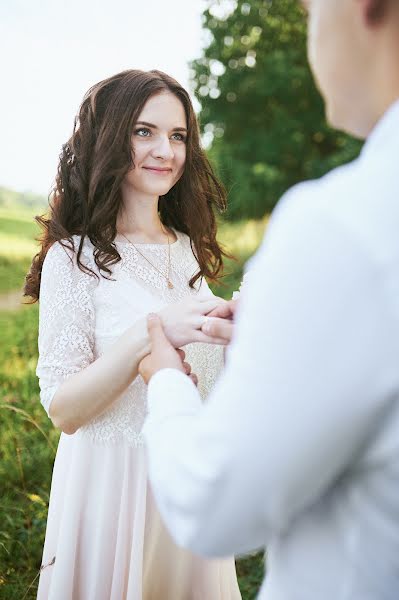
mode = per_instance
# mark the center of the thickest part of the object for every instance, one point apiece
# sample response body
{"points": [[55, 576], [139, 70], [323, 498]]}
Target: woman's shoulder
{"points": [[180, 236], [64, 252], [184, 240], [187, 246], [63, 281]]}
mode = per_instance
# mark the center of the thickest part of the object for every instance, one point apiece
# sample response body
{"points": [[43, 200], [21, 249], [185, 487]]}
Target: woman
{"points": [[131, 231]]}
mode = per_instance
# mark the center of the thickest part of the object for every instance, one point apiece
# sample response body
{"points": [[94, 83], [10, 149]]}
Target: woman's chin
{"points": [[149, 190], [157, 190]]}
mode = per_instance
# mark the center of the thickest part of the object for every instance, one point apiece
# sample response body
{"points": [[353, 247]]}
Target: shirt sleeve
{"points": [[308, 372], [66, 321]]}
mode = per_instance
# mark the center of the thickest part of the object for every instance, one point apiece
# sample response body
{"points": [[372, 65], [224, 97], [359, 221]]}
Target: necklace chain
{"points": [[167, 276]]}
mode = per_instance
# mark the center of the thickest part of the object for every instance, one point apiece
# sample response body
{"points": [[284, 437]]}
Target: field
{"points": [[27, 439], [17, 231]]}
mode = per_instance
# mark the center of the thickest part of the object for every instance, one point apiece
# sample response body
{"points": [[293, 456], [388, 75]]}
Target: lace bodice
{"points": [[80, 317]]}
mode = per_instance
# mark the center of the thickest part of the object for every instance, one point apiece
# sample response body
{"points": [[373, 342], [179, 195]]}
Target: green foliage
{"points": [[240, 238], [260, 104], [250, 573]]}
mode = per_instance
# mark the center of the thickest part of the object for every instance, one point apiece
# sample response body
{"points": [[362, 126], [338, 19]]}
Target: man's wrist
{"points": [[177, 386], [164, 371]]}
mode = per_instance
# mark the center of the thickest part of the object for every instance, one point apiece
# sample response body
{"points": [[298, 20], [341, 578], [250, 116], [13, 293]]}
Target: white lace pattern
{"points": [[80, 317]]}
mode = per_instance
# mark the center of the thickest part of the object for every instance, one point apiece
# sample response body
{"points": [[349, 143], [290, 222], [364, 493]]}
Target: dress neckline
{"points": [[149, 245]]}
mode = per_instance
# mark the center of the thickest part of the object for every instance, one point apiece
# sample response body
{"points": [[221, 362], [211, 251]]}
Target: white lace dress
{"points": [[105, 539]]}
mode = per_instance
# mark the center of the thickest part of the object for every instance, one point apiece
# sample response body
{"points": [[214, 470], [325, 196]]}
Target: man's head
{"points": [[353, 49]]}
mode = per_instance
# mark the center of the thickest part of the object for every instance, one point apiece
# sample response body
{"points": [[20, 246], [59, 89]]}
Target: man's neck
{"points": [[383, 87]]}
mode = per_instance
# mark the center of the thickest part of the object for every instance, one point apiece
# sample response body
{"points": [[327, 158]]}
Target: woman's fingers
{"points": [[187, 368], [181, 353], [194, 378], [206, 306], [200, 336], [224, 310]]}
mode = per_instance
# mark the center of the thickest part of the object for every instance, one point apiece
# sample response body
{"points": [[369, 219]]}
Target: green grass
{"points": [[17, 246], [27, 438], [27, 445]]}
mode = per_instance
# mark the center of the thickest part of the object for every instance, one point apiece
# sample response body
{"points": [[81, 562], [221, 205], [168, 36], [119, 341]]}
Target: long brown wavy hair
{"points": [[86, 197]]}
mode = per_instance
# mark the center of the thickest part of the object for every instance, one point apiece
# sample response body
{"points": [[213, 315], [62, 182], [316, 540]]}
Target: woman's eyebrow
{"points": [[155, 127]]}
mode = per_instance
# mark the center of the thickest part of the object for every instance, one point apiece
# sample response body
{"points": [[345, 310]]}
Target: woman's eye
{"points": [[179, 137], [143, 132]]}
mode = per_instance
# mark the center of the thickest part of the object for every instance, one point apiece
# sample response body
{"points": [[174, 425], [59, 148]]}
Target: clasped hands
{"points": [[208, 321]]}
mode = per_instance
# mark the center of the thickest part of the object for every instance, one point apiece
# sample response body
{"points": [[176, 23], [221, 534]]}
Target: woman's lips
{"points": [[158, 170]]}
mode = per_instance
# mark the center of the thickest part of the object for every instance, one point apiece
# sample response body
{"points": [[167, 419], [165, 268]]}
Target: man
{"points": [[298, 445]]}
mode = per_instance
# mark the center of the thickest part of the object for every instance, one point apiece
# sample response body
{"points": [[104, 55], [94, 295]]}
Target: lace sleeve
{"points": [[66, 321]]}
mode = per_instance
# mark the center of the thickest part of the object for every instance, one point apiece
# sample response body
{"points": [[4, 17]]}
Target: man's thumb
{"points": [[155, 330]]}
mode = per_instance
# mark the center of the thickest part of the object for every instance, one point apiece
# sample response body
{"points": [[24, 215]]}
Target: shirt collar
{"points": [[386, 129]]}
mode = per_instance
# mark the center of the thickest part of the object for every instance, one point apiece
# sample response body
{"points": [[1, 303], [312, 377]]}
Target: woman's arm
{"points": [[75, 387], [90, 392]]}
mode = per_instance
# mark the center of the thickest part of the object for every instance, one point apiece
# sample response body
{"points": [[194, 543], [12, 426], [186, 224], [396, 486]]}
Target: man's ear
{"points": [[374, 11]]}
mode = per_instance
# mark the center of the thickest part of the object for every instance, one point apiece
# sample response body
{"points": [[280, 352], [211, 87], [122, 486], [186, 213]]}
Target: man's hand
{"points": [[225, 310], [162, 355], [219, 322]]}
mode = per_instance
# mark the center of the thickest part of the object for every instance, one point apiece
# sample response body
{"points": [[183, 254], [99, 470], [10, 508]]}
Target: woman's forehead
{"points": [[164, 109]]}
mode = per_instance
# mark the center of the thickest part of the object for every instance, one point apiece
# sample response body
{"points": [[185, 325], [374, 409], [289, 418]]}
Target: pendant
{"points": [[170, 285]]}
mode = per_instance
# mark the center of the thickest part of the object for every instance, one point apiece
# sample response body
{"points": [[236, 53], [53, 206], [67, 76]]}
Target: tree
{"points": [[260, 106]]}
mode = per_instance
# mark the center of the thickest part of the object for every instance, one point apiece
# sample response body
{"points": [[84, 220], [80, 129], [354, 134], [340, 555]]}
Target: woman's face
{"points": [[159, 145]]}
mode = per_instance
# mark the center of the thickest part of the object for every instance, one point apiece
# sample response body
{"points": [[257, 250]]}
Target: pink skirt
{"points": [[105, 539]]}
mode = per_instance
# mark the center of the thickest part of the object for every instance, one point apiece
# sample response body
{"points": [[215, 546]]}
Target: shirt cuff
{"points": [[171, 392]]}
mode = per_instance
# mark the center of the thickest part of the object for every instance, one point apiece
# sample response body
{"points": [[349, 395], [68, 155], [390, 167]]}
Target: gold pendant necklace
{"points": [[167, 276]]}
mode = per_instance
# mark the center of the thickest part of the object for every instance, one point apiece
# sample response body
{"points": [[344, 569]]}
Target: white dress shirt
{"points": [[297, 448]]}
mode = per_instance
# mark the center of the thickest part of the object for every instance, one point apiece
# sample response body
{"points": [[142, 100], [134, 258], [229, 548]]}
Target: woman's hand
{"points": [[182, 321], [219, 322], [162, 355]]}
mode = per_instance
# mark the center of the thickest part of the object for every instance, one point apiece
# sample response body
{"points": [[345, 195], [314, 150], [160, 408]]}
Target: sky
{"points": [[52, 51]]}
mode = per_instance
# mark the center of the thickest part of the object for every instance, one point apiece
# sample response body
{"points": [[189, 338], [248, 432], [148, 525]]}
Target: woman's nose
{"points": [[163, 148]]}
